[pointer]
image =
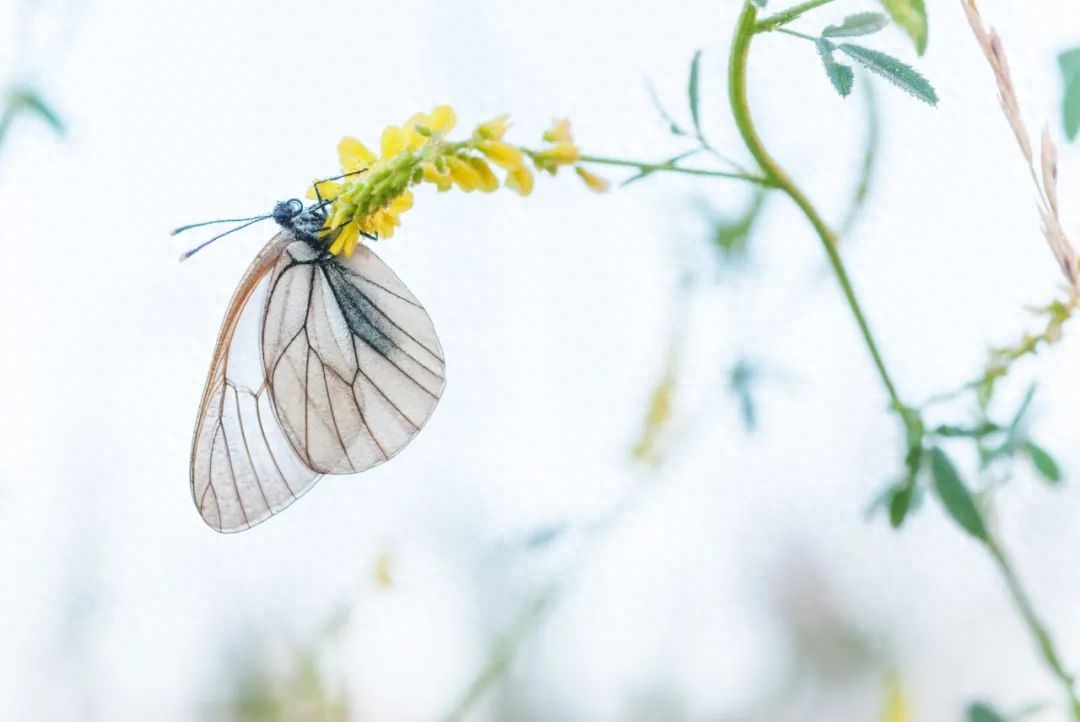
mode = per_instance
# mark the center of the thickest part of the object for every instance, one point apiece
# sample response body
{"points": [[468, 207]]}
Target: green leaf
{"points": [[954, 496], [1022, 409], [28, 99], [673, 127], [730, 235], [895, 71], [911, 16], [1042, 461], [857, 24], [692, 91], [900, 502], [983, 712], [841, 76], [1069, 62], [983, 429]]}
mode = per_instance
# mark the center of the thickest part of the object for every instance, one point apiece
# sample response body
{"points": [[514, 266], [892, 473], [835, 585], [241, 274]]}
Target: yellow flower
{"points": [[441, 180], [521, 180], [346, 240], [561, 153], [442, 119], [559, 132], [488, 181], [494, 129], [593, 181], [503, 154], [463, 174], [393, 142], [327, 190]]}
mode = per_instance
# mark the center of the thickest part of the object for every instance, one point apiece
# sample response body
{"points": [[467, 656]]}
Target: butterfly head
{"points": [[285, 212]]}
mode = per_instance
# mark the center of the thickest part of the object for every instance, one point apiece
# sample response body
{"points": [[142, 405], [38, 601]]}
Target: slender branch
{"points": [[774, 172], [1038, 630], [672, 168], [869, 160], [797, 34], [783, 18], [502, 653]]}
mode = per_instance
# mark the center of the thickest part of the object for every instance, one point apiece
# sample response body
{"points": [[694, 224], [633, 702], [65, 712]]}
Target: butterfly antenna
{"points": [[188, 227], [249, 221]]}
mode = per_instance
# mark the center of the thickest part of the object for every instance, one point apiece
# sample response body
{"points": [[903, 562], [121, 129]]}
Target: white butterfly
{"points": [[351, 371]]}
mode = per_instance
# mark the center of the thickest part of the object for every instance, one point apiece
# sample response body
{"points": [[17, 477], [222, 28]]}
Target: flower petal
{"points": [[520, 180], [488, 181], [503, 154], [593, 181], [353, 155], [442, 119], [393, 141]]}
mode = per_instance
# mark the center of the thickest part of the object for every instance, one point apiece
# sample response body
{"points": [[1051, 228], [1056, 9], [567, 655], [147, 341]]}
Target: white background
{"points": [[555, 313]]}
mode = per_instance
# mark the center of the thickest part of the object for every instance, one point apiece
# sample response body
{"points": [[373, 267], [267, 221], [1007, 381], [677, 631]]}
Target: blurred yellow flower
{"points": [[559, 132], [593, 181], [494, 129], [504, 155], [433, 175], [521, 180], [463, 174], [488, 181]]}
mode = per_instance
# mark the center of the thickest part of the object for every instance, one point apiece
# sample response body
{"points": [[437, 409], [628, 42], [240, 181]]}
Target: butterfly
{"points": [[351, 369]]}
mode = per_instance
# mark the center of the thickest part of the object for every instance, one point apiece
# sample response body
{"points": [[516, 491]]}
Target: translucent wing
{"points": [[243, 469], [351, 357]]}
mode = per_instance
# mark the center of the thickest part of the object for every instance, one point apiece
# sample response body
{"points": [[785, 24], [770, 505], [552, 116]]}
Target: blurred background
{"points": [[542, 551]]}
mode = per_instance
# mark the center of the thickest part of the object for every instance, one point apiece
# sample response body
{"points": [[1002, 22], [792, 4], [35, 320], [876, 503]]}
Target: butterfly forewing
{"points": [[243, 469], [350, 356]]}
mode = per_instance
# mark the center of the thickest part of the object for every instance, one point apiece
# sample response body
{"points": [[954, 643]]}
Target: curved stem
{"points": [[774, 172], [672, 168]]}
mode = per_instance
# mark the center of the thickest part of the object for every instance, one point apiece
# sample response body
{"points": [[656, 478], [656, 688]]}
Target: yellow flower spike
{"points": [[559, 132], [488, 181], [442, 119], [502, 154], [353, 155], [393, 141], [494, 129], [593, 181], [521, 180], [463, 174]]}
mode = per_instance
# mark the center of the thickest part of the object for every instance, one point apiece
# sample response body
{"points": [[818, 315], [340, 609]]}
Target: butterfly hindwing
{"points": [[243, 468]]}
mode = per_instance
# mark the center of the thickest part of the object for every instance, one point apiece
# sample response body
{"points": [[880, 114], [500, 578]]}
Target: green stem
{"points": [[797, 34], [783, 18], [672, 168], [774, 172], [1035, 626], [502, 653]]}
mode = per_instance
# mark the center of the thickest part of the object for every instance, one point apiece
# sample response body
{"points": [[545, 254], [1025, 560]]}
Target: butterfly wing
{"points": [[351, 358], [243, 469]]}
